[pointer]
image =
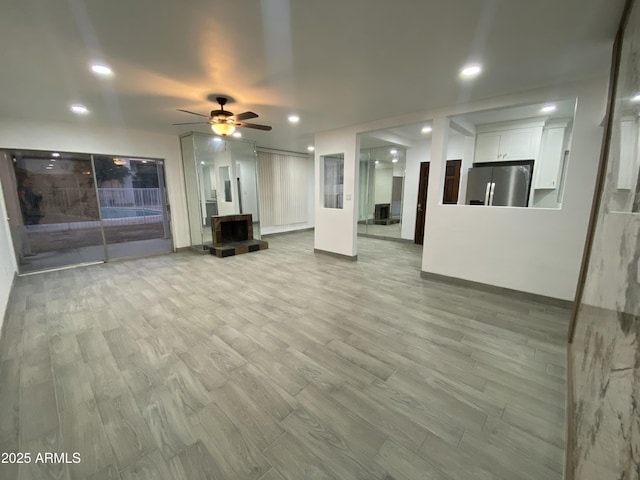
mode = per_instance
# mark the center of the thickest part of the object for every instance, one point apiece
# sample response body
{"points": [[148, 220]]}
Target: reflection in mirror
{"points": [[624, 162], [393, 179], [510, 157], [225, 181], [220, 179], [382, 171], [333, 180]]}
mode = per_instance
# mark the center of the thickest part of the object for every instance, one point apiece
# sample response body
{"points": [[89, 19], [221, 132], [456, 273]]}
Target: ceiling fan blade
{"points": [[246, 116], [254, 125], [192, 113], [191, 123]]}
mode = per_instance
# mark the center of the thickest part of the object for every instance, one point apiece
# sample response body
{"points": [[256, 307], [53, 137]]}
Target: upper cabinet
{"points": [[537, 136], [539, 141], [507, 144], [547, 168]]}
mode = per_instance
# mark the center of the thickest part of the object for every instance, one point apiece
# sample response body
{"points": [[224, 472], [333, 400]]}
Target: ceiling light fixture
{"points": [[393, 151], [119, 162], [55, 154], [223, 129], [294, 118], [101, 69], [470, 71], [311, 148], [237, 134], [548, 109], [377, 162], [48, 168], [395, 160], [80, 109], [217, 139], [426, 129], [636, 98], [202, 162]]}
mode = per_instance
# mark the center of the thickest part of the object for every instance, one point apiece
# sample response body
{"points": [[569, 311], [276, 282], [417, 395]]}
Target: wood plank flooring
{"points": [[280, 364]]}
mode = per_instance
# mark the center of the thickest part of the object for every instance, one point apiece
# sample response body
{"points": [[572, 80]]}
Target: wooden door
{"points": [[423, 186], [451, 182]]}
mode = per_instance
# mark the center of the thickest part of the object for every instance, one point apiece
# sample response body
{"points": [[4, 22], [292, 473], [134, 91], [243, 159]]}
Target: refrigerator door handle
{"points": [[486, 194], [492, 190]]}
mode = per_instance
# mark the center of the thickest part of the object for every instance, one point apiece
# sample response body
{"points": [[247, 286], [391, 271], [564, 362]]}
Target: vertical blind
{"points": [[283, 182]]}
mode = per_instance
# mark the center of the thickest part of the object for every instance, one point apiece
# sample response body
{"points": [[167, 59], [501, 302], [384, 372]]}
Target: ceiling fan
{"points": [[223, 122]]}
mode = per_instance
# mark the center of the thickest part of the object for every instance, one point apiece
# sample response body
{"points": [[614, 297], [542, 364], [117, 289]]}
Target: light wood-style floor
{"points": [[279, 364]]}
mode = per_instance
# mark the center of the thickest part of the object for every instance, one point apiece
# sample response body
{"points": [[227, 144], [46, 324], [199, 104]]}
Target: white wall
{"points": [[532, 250], [336, 229], [383, 184], [72, 137], [455, 146], [421, 152], [8, 266]]}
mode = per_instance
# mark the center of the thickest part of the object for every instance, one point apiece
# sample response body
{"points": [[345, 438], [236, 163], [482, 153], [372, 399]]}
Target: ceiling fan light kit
{"points": [[223, 129], [224, 122]]}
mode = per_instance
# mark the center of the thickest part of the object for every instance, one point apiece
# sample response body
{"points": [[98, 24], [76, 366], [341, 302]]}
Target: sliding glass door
{"points": [[56, 219], [69, 209], [133, 205]]}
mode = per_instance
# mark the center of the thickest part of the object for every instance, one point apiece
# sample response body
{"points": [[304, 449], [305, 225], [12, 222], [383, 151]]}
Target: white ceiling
{"points": [[333, 62]]}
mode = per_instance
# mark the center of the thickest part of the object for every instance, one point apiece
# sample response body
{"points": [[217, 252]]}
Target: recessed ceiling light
{"points": [[393, 151], [48, 168], [144, 161], [294, 118], [202, 163], [101, 69], [237, 134], [77, 108], [51, 165], [377, 162], [548, 109], [217, 139], [426, 129], [470, 71], [636, 98], [55, 154], [395, 160], [311, 148]]}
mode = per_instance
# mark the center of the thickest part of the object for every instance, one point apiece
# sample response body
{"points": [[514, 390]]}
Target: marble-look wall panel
{"points": [[606, 345], [606, 356]]}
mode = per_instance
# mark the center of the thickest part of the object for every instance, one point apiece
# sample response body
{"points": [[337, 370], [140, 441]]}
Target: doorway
{"points": [[451, 182], [421, 207], [69, 209]]}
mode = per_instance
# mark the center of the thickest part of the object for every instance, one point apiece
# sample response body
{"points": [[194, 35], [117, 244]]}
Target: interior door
{"points": [[423, 186], [451, 182]]}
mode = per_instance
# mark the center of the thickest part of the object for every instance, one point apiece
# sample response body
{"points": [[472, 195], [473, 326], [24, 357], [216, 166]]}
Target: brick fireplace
{"points": [[233, 235]]}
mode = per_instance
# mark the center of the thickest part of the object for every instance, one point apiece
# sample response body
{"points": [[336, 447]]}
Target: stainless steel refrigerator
{"points": [[498, 184]]}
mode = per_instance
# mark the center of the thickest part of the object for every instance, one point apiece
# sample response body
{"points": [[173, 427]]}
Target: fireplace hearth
{"points": [[233, 235]]}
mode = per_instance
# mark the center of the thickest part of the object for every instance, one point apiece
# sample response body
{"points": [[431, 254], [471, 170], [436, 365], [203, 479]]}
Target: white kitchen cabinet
{"points": [[487, 147], [547, 166], [508, 145]]}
